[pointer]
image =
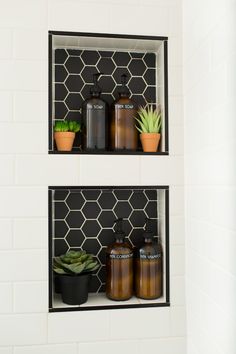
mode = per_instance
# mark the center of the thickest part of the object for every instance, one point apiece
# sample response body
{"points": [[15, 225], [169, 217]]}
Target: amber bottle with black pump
{"points": [[123, 134], [148, 266], [119, 267], [94, 116]]}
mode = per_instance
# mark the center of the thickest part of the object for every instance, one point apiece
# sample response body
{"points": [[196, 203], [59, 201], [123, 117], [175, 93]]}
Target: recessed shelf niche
{"points": [[83, 218], [74, 57]]}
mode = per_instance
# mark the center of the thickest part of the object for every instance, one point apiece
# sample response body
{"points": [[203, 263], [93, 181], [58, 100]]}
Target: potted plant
{"points": [[64, 134], [73, 270], [149, 120]]}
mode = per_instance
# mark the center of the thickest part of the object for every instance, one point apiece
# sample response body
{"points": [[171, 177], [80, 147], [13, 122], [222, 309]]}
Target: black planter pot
{"points": [[57, 285], [74, 288]]}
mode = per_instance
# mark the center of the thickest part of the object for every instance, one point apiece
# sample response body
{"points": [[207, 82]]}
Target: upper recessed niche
{"points": [[75, 57]]}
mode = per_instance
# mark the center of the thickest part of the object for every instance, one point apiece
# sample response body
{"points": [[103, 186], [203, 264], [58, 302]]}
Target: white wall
{"points": [[27, 170], [209, 96]]}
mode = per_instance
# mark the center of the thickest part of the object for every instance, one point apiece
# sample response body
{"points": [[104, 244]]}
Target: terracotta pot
{"points": [[150, 141], [64, 140]]}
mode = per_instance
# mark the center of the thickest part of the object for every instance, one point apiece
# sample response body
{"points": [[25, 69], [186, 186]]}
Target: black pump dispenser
{"points": [[123, 90], [95, 113], [148, 232], [119, 232], [96, 90]]}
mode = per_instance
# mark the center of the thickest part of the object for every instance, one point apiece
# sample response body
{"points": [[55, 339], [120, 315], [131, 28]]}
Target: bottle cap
{"points": [[96, 90], [123, 90], [148, 231]]}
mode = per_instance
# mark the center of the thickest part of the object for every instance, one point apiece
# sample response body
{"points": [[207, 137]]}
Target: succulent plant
{"points": [[74, 262], [67, 126], [149, 120]]}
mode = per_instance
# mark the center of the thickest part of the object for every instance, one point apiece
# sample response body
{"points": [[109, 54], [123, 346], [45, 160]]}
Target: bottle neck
{"points": [[124, 95], [119, 239], [95, 94], [148, 239]]}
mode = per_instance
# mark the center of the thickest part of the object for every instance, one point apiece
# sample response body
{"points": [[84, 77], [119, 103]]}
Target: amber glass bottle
{"points": [[148, 267], [119, 267], [94, 113], [123, 134]]}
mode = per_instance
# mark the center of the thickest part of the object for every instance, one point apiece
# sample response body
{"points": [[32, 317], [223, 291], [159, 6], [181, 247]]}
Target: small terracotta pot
{"points": [[150, 141], [64, 140]]}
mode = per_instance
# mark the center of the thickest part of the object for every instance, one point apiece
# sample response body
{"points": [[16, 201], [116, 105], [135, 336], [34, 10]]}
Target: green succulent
{"points": [[149, 120], [74, 262], [67, 126]]}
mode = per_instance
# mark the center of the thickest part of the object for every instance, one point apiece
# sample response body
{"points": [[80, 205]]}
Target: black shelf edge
{"points": [[106, 35], [111, 187], [128, 153], [108, 307]]}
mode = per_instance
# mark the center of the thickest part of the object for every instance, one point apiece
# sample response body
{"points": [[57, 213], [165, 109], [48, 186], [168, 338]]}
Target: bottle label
{"points": [[121, 256], [154, 256], [95, 106], [125, 106]]}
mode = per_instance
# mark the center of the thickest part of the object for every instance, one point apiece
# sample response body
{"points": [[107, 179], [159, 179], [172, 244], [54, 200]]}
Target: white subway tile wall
{"points": [[27, 170], [209, 87]]}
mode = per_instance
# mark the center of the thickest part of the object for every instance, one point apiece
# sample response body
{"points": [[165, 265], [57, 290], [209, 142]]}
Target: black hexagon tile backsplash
{"points": [[73, 76], [84, 219]]}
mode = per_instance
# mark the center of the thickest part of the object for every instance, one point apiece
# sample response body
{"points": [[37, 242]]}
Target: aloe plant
{"points": [[67, 126], [149, 120], [74, 262]]}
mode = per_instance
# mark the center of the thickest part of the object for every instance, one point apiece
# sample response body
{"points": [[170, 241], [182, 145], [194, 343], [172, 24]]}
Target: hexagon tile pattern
{"points": [[84, 219], [73, 77]]}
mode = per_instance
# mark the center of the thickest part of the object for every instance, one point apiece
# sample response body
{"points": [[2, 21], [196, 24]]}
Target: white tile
{"points": [[157, 24], [25, 138], [58, 21], [161, 170], [30, 233], [151, 323], [23, 329], [25, 103], [176, 19], [163, 346], [80, 326], [24, 265], [175, 50], [176, 112], [6, 99], [176, 140], [6, 234], [177, 230], [177, 260], [47, 349], [24, 14], [176, 200], [23, 202], [6, 44], [177, 290], [29, 45], [61, 170], [175, 80], [109, 347], [109, 170], [30, 297], [13, 75], [6, 299], [6, 350], [178, 321], [7, 176]]}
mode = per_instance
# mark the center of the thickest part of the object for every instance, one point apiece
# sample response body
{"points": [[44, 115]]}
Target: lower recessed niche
{"points": [[82, 218]]}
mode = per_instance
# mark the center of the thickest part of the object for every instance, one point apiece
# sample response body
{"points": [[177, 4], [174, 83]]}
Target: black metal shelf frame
{"points": [[106, 35], [166, 303]]}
